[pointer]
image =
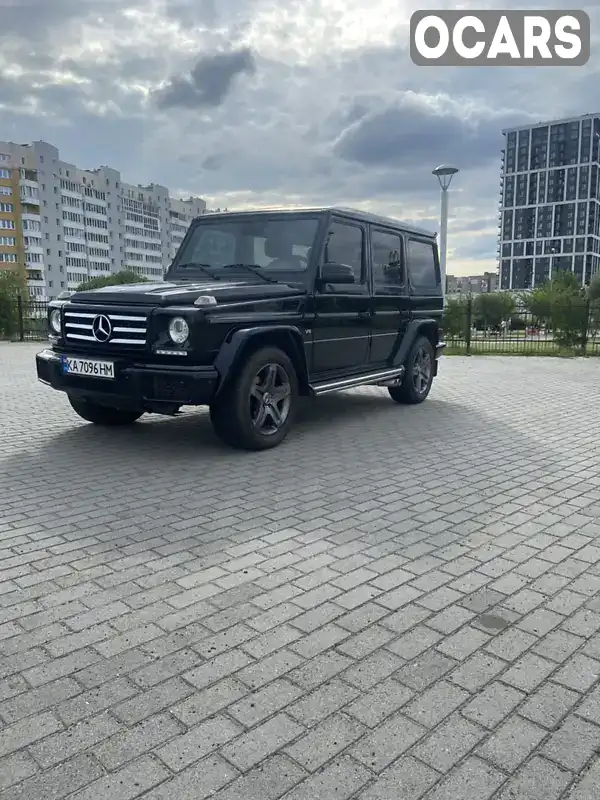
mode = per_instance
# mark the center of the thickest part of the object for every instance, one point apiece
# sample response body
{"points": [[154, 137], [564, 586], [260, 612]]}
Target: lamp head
{"points": [[444, 175]]}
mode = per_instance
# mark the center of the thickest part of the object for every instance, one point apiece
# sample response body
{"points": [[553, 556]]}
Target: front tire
{"points": [[102, 415], [257, 409], [418, 377]]}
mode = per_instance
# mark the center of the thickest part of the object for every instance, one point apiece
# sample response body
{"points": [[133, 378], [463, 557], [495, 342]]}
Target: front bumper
{"points": [[136, 385]]}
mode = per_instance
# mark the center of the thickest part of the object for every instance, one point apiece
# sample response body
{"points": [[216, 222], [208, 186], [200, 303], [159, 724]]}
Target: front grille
{"points": [[126, 328]]}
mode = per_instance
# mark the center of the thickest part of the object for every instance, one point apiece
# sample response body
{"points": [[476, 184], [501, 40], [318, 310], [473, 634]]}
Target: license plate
{"points": [[88, 367]]}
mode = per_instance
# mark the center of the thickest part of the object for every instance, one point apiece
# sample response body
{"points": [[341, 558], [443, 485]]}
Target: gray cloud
{"points": [[473, 225], [478, 247], [320, 122], [216, 13], [410, 132], [209, 81], [214, 162], [123, 66], [199, 12], [37, 20]]}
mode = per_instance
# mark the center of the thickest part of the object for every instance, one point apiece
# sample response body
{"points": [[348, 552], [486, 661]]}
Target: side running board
{"points": [[384, 377]]}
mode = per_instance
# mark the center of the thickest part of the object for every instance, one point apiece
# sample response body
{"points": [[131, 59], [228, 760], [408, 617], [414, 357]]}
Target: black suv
{"points": [[257, 309]]}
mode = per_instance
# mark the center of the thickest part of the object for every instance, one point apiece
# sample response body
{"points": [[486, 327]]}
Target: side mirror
{"points": [[332, 272]]}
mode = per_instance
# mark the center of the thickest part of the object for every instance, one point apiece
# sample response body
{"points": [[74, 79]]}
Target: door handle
{"points": [[364, 314]]}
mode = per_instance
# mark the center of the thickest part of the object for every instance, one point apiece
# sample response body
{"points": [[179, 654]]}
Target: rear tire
{"points": [[418, 377], [256, 411], [103, 415]]}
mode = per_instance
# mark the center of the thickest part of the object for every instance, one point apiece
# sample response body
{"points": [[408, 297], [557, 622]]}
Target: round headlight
{"points": [[179, 330], [55, 320]]}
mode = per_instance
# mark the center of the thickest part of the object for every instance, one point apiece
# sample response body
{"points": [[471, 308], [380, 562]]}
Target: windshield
{"points": [[259, 247]]}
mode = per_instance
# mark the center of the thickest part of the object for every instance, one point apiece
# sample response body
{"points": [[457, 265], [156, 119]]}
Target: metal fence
{"points": [[23, 319], [570, 328]]}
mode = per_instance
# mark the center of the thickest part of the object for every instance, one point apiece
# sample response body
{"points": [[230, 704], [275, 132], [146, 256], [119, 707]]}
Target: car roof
{"points": [[352, 213]]}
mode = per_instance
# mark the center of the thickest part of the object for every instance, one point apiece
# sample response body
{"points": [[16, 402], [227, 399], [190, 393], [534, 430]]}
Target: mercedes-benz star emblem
{"points": [[101, 328]]}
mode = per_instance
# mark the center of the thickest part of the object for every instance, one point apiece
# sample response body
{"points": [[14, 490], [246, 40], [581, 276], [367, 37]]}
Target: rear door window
{"points": [[423, 267], [387, 257]]}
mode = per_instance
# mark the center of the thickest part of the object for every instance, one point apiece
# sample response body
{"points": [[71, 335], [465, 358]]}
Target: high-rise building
{"points": [[11, 217], [63, 224], [550, 202]]}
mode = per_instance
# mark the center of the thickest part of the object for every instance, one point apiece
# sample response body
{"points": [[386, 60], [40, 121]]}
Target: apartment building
{"points": [[472, 284], [63, 224], [11, 217], [550, 201]]}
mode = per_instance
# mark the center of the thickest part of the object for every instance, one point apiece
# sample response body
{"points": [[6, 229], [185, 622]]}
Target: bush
{"points": [[455, 318], [569, 319], [491, 309], [562, 306], [593, 290]]}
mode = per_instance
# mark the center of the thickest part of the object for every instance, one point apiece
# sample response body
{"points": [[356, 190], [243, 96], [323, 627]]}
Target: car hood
{"points": [[166, 293]]}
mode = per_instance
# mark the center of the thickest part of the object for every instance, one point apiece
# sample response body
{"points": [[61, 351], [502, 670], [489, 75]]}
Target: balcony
{"points": [[30, 212], [33, 263]]}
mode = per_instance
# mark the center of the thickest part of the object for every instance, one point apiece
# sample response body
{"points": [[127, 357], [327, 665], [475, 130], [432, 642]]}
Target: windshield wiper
{"points": [[206, 268], [251, 268]]}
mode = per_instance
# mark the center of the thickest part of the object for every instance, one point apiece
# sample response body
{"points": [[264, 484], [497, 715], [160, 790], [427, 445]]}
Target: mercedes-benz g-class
{"points": [[258, 309]]}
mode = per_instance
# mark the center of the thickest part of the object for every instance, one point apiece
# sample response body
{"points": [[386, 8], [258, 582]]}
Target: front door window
{"points": [[344, 245]]}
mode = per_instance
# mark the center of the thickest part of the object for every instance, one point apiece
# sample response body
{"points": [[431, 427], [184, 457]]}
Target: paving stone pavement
{"points": [[396, 604]]}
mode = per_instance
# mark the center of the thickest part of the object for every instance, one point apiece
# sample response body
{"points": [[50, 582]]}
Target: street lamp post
{"points": [[444, 175]]}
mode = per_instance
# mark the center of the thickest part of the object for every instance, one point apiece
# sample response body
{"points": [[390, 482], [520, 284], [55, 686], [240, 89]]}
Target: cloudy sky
{"points": [[279, 102]]}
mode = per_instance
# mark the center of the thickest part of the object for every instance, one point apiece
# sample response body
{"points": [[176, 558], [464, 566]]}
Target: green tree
{"points": [[116, 279], [593, 296], [565, 281], [538, 302], [455, 318], [569, 317], [561, 305], [12, 285], [593, 290], [490, 309]]}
